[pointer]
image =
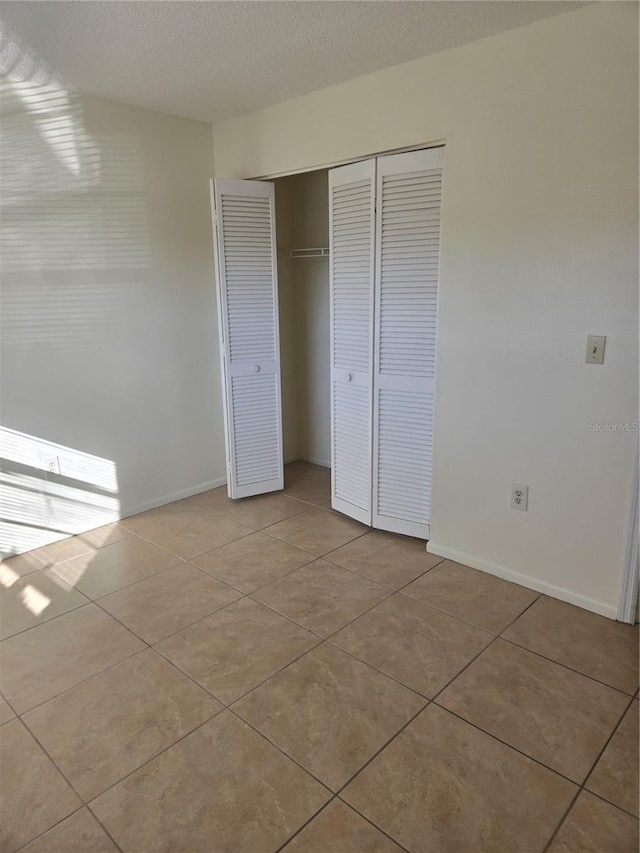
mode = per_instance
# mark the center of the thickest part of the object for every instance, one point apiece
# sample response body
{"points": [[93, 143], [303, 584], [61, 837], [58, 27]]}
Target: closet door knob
{"points": [[255, 368], [348, 377]]}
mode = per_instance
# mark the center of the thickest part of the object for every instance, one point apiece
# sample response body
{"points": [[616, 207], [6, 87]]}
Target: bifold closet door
{"points": [[247, 290], [351, 238], [407, 254]]}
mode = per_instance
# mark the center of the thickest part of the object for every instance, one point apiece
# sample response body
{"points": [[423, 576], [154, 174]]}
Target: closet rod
{"points": [[309, 253]]}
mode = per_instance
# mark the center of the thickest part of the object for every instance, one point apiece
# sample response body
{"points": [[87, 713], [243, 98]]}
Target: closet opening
{"points": [[331, 362], [302, 237]]}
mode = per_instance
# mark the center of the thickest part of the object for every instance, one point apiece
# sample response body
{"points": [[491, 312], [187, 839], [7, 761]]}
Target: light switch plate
{"points": [[595, 349]]}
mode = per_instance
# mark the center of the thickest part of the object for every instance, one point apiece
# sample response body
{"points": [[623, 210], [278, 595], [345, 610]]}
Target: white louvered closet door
{"points": [[247, 290], [406, 285], [351, 237]]}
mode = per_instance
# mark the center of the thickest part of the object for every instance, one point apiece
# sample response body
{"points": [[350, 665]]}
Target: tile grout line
{"points": [[225, 707], [183, 560], [129, 586], [104, 828], [504, 743], [152, 758], [50, 618], [230, 708], [218, 713], [608, 802], [51, 567], [336, 798], [386, 744], [582, 787], [95, 550], [53, 826], [173, 633], [306, 824], [434, 698], [263, 735], [217, 547], [373, 580], [256, 589], [506, 639], [317, 556], [151, 645], [344, 651], [374, 825], [281, 751], [428, 702], [376, 669], [11, 708], [322, 637], [228, 705], [565, 666], [251, 594], [482, 651], [84, 680], [83, 801], [47, 621], [489, 734], [517, 645], [53, 762]]}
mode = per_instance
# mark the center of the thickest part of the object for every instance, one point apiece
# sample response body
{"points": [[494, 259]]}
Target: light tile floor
{"points": [[268, 675]]}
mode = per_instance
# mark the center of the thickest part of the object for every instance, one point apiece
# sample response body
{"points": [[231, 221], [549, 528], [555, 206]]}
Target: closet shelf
{"points": [[309, 253]]}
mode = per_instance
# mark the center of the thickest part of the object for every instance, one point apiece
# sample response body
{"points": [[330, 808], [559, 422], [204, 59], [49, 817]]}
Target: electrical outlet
{"points": [[51, 464], [519, 496]]}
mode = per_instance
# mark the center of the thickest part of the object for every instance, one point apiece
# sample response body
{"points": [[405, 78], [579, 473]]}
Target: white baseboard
{"points": [[172, 496], [549, 589], [201, 487]]}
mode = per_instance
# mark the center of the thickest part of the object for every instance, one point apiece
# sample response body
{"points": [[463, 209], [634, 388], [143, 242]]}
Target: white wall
{"points": [[110, 357], [539, 249]]}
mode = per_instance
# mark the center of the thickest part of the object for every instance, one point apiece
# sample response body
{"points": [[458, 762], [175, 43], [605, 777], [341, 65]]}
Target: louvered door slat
{"points": [[247, 289], [351, 236], [409, 192]]}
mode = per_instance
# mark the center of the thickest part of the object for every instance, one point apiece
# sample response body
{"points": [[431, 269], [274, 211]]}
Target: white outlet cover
{"points": [[51, 464], [595, 349], [519, 496]]}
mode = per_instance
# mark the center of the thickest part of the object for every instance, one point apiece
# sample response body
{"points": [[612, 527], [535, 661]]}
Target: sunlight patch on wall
{"points": [[49, 491], [38, 452]]}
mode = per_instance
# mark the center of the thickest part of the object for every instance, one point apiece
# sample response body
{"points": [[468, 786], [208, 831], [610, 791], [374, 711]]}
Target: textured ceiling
{"points": [[214, 60]]}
